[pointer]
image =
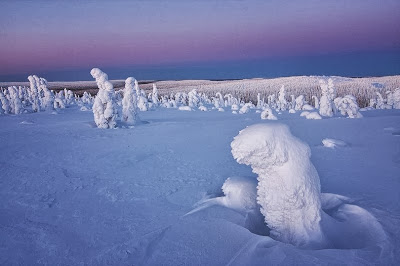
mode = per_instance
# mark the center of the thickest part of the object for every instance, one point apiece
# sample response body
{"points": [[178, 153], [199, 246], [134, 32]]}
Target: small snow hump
{"points": [[333, 143], [289, 188]]}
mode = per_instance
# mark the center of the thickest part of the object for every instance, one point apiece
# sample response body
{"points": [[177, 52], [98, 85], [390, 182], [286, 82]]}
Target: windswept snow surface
{"points": [[71, 193]]}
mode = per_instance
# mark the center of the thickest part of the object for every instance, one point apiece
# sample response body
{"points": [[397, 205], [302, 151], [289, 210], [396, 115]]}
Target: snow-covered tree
{"points": [[282, 103], [396, 99], [289, 188], [326, 105], [299, 102], [15, 102], [130, 112], [348, 106], [104, 106], [154, 95], [59, 100], [5, 104], [34, 96], [316, 102], [47, 96], [193, 99]]}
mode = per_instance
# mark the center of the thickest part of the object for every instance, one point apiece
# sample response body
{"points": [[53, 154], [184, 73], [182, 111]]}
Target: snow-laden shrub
{"points": [[348, 106], [299, 102], [104, 106], [142, 99], [268, 114], [396, 99], [130, 112], [15, 102], [59, 100], [304, 113], [326, 105], [69, 97], [289, 188], [292, 111], [282, 103]]}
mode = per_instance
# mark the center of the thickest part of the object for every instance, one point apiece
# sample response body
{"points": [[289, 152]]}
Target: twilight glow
{"points": [[59, 35]]}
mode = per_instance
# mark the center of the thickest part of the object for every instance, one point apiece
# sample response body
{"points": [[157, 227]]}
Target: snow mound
{"points": [[268, 114], [305, 113], [221, 109], [289, 188], [313, 115], [333, 143], [307, 107], [203, 108], [185, 108], [292, 111]]}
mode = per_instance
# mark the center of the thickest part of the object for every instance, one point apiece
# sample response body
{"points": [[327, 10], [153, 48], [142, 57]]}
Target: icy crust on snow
{"points": [[289, 188]]}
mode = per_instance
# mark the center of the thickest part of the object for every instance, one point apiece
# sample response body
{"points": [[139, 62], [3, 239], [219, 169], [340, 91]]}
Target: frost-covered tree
{"points": [[396, 99], [193, 99], [5, 104], [380, 102], [272, 101], [130, 112], [299, 102], [288, 188], [316, 102], [104, 106], [154, 95], [34, 93], [47, 96], [326, 105], [389, 100], [348, 106], [282, 103], [15, 102], [260, 102], [59, 100]]}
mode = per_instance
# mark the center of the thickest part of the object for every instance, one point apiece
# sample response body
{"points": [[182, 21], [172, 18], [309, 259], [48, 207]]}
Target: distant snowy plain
{"points": [[71, 193]]}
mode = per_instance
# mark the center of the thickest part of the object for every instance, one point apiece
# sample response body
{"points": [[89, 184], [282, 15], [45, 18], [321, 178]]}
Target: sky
{"points": [[209, 39]]}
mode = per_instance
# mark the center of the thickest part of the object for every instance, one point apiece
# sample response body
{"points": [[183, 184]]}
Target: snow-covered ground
{"points": [[71, 193]]}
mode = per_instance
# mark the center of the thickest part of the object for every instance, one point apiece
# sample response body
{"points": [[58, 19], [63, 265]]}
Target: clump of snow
{"points": [[333, 143], [292, 111], [268, 114], [104, 107], [313, 115], [289, 187], [130, 112]]}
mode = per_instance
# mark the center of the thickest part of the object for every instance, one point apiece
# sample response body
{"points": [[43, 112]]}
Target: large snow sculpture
{"points": [[130, 112], [289, 188], [104, 106]]}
